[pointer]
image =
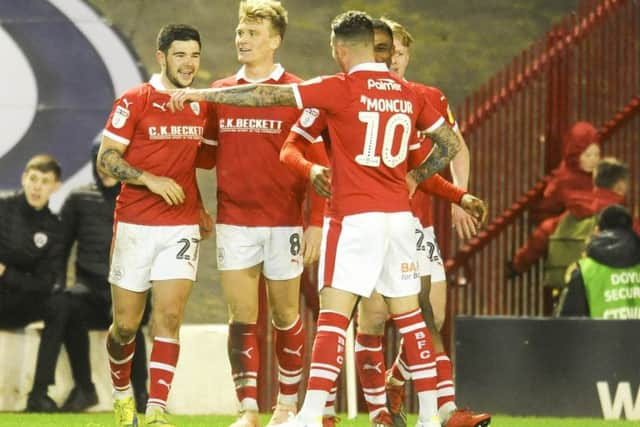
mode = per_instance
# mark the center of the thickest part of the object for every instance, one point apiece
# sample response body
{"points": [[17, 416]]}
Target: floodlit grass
{"points": [[106, 420]]}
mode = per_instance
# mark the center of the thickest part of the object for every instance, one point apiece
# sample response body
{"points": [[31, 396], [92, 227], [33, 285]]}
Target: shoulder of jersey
{"points": [[227, 81], [422, 88], [139, 91], [434, 91], [337, 76], [287, 77]]}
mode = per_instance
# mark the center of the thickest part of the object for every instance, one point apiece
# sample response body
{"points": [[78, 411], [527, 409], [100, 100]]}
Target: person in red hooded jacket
{"points": [[581, 153], [611, 185]]}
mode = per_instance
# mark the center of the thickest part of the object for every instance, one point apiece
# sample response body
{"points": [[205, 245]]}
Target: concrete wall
{"points": [[202, 384]]}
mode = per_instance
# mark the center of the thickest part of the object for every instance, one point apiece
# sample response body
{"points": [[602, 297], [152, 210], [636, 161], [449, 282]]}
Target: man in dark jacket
{"points": [[606, 283], [29, 253], [87, 220]]}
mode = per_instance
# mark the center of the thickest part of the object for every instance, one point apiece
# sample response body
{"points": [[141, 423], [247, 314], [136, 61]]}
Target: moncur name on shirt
{"points": [[384, 105]]}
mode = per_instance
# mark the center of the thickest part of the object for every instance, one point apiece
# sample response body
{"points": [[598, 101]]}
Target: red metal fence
{"points": [[585, 68]]}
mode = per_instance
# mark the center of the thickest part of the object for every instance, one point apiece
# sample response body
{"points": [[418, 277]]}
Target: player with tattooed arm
{"points": [[154, 153]]}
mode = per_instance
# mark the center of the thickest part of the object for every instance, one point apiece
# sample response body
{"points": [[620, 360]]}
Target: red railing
{"points": [[585, 68]]}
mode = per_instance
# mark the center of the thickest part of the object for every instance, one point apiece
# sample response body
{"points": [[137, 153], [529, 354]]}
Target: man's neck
{"points": [[358, 57], [166, 83], [259, 71]]}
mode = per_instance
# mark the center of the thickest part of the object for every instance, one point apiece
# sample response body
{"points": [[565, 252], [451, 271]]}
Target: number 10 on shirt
{"points": [[372, 119]]}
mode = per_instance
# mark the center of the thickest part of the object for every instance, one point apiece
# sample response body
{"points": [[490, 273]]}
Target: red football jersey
{"points": [[421, 202], [254, 187], [159, 142], [372, 116]]}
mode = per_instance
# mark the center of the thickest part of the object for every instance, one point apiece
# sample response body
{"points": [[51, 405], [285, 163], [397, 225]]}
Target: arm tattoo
{"points": [[257, 95], [113, 163], [446, 145]]}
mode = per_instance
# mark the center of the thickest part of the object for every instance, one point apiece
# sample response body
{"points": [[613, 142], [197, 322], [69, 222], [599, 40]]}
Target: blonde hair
{"points": [[399, 31], [271, 10]]}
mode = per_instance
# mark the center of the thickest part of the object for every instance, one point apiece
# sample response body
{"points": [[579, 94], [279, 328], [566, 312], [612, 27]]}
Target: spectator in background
{"points": [[29, 250], [606, 283], [611, 185], [87, 219], [581, 153]]}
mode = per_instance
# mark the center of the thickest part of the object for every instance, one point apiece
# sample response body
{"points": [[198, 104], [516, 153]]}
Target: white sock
{"points": [[288, 399], [123, 394], [313, 406], [151, 408], [428, 407], [446, 410]]}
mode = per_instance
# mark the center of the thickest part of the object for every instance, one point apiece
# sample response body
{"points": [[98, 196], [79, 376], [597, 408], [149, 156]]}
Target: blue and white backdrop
{"points": [[62, 67]]}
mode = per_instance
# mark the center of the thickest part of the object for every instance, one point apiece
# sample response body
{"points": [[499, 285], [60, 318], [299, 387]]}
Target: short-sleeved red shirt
{"points": [[372, 116], [254, 187], [160, 142]]}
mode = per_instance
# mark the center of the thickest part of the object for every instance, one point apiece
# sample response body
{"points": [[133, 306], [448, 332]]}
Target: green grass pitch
{"points": [[106, 420]]}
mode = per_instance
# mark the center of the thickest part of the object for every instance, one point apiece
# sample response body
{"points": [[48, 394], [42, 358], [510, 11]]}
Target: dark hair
{"points": [[379, 24], [614, 216], [44, 163], [353, 25], [609, 172], [172, 32]]}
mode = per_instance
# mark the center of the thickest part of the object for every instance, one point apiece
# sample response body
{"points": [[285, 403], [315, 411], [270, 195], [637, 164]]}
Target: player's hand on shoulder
{"points": [[165, 187], [321, 180], [311, 240], [181, 96]]}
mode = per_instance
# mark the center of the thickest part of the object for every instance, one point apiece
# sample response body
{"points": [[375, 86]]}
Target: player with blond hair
{"points": [[259, 217]]}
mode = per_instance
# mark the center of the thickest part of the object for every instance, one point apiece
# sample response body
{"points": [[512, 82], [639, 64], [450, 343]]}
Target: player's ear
{"points": [[161, 58], [275, 41]]}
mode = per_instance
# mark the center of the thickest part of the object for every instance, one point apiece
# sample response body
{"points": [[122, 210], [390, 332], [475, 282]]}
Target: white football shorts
{"points": [[370, 251], [429, 258], [144, 253], [277, 248]]}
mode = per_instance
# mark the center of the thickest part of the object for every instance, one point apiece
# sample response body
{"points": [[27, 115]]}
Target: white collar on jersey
{"points": [[276, 74], [156, 82], [369, 66]]}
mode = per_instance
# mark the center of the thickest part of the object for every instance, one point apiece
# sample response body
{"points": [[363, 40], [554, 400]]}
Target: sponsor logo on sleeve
{"points": [[309, 116], [120, 117]]}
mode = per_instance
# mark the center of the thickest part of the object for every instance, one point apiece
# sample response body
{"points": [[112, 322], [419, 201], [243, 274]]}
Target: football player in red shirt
{"points": [[373, 311], [368, 236], [259, 216], [153, 152], [434, 289]]}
